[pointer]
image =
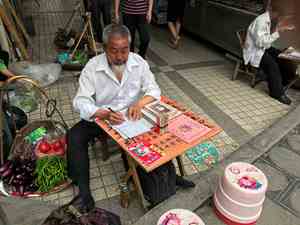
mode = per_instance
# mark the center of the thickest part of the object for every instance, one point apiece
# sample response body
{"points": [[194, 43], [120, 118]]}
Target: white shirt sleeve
{"points": [[84, 102], [149, 85], [262, 36]]}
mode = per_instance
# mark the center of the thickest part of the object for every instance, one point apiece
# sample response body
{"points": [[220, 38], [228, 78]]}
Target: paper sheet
{"points": [[130, 129]]}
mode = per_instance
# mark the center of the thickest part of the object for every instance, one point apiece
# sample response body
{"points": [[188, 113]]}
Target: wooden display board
{"points": [[169, 145]]}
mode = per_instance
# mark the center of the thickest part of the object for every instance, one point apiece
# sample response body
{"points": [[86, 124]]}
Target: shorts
{"points": [[175, 10]]}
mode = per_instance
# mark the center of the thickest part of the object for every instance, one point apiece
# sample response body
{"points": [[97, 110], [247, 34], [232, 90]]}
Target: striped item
{"points": [[135, 6]]}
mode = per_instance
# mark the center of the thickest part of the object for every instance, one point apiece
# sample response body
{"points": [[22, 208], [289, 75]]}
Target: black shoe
{"points": [[88, 204], [180, 181], [83, 206], [284, 99]]}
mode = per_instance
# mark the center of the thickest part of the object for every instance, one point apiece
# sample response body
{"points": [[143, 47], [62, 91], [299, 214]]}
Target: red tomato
{"points": [[60, 151], [56, 146], [63, 141], [44, 147]]}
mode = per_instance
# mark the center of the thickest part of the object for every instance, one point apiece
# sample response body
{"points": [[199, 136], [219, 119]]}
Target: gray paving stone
{"points": [[272, 214], [295, 199], [294, 142], [276, 180], [25, 211], [286, 159]]}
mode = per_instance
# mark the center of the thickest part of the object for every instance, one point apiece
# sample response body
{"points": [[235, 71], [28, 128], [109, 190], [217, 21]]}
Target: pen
{"points": [[110, 109]]}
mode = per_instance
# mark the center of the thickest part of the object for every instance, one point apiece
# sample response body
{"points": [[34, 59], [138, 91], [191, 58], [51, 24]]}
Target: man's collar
{"points": [[267, 16], [104, 65]]}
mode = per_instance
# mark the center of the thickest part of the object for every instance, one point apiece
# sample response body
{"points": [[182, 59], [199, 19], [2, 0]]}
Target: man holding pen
{"points": [[111, 82]]}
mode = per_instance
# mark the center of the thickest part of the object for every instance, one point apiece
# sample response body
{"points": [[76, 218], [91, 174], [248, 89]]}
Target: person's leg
{"points": [[143, 29], [106, 12], [85, 3], [178, 26], [78, 161], [287, 68], [172, 29], [130, 22], [171, 18], [271, 69], [96, 19]]}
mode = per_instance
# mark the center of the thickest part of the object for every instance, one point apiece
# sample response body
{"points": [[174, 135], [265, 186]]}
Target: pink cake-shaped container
{"points": [[180, 217], [240, 193]]}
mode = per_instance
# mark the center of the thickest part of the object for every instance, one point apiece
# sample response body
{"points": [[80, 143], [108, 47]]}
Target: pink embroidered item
{"points": [[187, 129]]}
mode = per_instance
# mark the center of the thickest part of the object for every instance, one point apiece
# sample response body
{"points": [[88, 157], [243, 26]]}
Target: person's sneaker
{"points": [[181, 182], [284, 99]]}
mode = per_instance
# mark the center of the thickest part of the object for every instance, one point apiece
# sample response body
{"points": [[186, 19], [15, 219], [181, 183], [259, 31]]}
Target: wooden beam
{"points": [[13, 32], [17, 19]]}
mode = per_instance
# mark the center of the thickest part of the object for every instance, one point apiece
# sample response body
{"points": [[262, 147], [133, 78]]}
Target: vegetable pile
{"points": [[56, 147], [19, 174], [50, 171]]}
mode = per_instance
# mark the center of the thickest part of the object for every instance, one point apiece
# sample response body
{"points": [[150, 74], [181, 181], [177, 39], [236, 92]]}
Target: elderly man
{"points": [[109, 83], [259, 53]]}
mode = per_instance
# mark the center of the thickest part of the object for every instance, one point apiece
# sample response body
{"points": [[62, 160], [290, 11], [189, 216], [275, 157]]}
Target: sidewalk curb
{"points": [[207, 181]]}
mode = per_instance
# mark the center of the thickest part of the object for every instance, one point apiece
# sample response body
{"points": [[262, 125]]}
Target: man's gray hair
{"points": [[115, 30]]}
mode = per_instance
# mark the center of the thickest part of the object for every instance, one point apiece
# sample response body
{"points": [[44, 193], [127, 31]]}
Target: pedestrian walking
{"points": [[174, 17], [99, 9], [137, 15]]}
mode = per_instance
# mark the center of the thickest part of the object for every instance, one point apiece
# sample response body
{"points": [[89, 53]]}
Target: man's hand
{"points": [[149, 17], [134, 112], [117, 18], [283, 25], [115, 118]]}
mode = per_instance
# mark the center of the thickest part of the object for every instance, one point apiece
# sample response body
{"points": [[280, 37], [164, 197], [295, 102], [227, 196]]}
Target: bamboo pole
{"points": [[12, 30], [3, 38], [80, 38], [92, 33], [17, 19]]}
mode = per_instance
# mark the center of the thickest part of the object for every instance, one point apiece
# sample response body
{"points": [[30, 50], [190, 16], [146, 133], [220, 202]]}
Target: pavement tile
{"points": [[112, 190], [96, 183], [106, 169], [99, 194], [109, 179], [286, 160]]}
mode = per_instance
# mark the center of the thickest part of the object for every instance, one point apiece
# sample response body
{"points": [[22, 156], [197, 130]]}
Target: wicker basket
{"points": [[20, 147]]}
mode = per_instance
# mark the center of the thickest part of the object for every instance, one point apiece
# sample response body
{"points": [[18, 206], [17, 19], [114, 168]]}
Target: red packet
{"points": [[143, 151]]}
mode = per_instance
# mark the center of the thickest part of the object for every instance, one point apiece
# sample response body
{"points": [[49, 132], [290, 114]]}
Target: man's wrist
{"points": [[102, 114]]}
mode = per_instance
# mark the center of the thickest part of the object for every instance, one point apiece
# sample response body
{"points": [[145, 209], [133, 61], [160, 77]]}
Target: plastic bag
{"points": [[45, 74], [24, 98], [69, 215]]}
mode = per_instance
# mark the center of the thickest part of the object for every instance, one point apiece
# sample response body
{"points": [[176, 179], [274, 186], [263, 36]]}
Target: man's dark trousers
{"points": [[273, 68], [78, 139], [138, 22], [100, 8]]}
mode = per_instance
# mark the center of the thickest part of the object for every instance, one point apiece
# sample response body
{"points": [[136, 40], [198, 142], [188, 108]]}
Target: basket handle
{"points": [[50, 104], [51, 107]]}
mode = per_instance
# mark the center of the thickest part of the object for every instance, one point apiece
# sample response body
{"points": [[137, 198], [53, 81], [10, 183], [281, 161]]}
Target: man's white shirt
{"points": [[259, 38], [100, 89]]}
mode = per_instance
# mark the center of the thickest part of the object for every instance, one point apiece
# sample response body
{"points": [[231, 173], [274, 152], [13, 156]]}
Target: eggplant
{"points": [[5, 166], [7, 173], [11, 179], [21, 190]]}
